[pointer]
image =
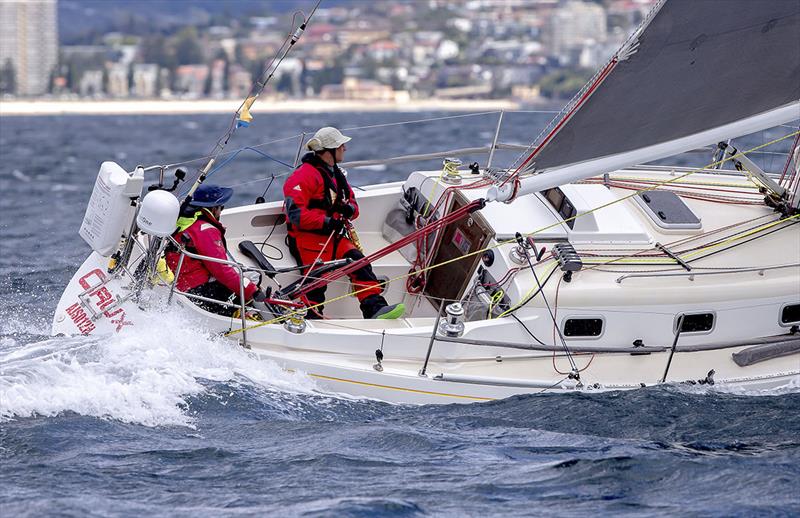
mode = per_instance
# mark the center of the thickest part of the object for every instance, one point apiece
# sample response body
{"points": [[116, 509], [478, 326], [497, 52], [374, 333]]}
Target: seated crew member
{"points": [[318, 203], [200, 231]]}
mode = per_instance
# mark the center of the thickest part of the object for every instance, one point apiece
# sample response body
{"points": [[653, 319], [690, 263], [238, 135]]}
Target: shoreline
{"points": [[266, 105]]}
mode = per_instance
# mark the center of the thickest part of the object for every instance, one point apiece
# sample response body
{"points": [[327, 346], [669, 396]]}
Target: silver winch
{"points": [[296, 323], [452, 324], [450, 174]]}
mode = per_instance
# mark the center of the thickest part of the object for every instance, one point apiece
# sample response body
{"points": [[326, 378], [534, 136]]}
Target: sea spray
{"points": [[146, 375]]}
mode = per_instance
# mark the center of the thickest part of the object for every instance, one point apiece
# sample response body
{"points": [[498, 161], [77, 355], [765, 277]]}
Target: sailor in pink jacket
{"points": [[200, 231]]}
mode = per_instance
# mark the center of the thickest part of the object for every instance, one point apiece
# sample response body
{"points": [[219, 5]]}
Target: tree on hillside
{"points": [[155, 50], [8, 78], [188, 50], [563, 83]]}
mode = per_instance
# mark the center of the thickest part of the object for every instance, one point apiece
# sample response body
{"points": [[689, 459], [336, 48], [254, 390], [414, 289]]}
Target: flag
{"points": [[245, 118]]}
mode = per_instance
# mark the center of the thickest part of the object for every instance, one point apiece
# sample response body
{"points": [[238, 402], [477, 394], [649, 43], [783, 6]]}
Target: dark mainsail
{"points": [[699, 64]]}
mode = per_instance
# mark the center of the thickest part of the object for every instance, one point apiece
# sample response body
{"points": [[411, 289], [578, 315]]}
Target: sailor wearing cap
{"points": [[201, 232], [319, 203]]}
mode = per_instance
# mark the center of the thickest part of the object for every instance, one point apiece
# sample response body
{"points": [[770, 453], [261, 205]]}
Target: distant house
{"points": [[325, 51], [145, 80], [239, 81], [360, 36], [573, 26], [320, 33], [217, 78], [91, 83], [164, 77], [358, 89], [118, 80], [383, 50], [190, 80]]}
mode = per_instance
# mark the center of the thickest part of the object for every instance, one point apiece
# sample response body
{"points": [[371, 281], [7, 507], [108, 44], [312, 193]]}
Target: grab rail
{"points": [[693, 273]]}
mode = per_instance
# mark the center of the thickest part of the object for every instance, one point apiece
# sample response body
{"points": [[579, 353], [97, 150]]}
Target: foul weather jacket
{"points": [[205, 235], [310, 195]]}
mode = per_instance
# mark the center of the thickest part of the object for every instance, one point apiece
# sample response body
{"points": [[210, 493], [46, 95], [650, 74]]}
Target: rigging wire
{"points": [[627, 48], [501, 243], [417, 121], [242, 115], [574, 372]]}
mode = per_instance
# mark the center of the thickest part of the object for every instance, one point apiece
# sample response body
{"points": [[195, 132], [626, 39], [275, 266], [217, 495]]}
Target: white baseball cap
{"points": [[326, 138]]}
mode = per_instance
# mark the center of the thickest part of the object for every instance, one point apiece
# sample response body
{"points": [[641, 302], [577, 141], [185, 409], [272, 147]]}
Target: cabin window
{"points": [[696, 323], [583, 327], [561, 203], [790, 314]]}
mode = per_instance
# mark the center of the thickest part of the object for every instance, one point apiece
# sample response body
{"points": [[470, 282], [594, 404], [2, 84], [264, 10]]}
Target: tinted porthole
{"points": [[583, 327], [790, 314], [697, 323]]}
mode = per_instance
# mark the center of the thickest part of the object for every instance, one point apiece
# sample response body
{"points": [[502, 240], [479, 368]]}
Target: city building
{"points": [[118, 81], [353, 88], [145, 80], [91, 83], [190, 80], [573, 26], [29, 42]]}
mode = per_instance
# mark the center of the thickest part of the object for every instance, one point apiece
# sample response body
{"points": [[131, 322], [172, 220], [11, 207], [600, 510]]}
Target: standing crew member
{"points": [[201, 232], [318, 203]]}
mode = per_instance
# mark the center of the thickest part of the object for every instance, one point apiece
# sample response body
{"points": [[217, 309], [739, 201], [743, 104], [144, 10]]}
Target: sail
{"points": [[696, 66]]}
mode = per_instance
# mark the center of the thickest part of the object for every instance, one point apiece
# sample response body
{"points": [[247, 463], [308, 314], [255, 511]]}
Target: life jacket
{"points": [[306, 202], [201, 233]]}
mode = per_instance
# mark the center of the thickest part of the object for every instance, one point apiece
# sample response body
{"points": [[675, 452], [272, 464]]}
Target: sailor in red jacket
{"points": [[318, 203], [201, 232]]}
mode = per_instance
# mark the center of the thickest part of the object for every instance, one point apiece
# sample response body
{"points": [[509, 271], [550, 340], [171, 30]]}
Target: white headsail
{"points": [[697, 72]]}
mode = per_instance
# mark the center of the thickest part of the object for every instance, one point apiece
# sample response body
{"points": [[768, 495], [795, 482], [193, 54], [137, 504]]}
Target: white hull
{"points": [[745, 287]]}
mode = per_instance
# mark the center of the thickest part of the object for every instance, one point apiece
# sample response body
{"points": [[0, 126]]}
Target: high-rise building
{"points": [[574, 25], [29, 41]]}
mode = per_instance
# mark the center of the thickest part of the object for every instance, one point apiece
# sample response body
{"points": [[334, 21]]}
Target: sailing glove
{"points": [[346, 210], [333, 225]]}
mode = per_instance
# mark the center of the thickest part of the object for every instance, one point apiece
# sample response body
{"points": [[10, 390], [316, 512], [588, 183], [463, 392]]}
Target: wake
{"points": [[146, 375]]}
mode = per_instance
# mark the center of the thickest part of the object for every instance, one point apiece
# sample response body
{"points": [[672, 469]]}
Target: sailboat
{"points": [[576, 269]]}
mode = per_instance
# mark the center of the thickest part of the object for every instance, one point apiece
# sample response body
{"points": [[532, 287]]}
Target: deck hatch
{"points": [[667, 210]]}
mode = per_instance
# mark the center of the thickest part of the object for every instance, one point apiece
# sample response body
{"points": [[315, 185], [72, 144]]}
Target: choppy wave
{"points": [[145, 375], [169, 420]]}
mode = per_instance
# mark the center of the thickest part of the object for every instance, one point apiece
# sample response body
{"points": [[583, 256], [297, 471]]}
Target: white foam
{"points": [[145, 375], [792, 385], [17, 324]]}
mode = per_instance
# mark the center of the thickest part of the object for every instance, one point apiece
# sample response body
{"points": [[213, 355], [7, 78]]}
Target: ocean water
{"points": [[166, 420]]}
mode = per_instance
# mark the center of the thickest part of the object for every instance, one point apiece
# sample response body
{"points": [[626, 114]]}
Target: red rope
{"points": [[607, 70], [333, 275]]}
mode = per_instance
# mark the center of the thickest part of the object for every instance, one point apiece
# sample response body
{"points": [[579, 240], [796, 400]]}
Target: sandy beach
{"points": [[263, 105]]}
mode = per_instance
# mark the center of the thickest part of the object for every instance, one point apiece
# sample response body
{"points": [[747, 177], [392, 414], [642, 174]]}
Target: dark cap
{"points": [[209, 195]]}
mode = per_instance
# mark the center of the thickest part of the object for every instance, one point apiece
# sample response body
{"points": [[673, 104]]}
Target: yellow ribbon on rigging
{"points": [[245, 117]]}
